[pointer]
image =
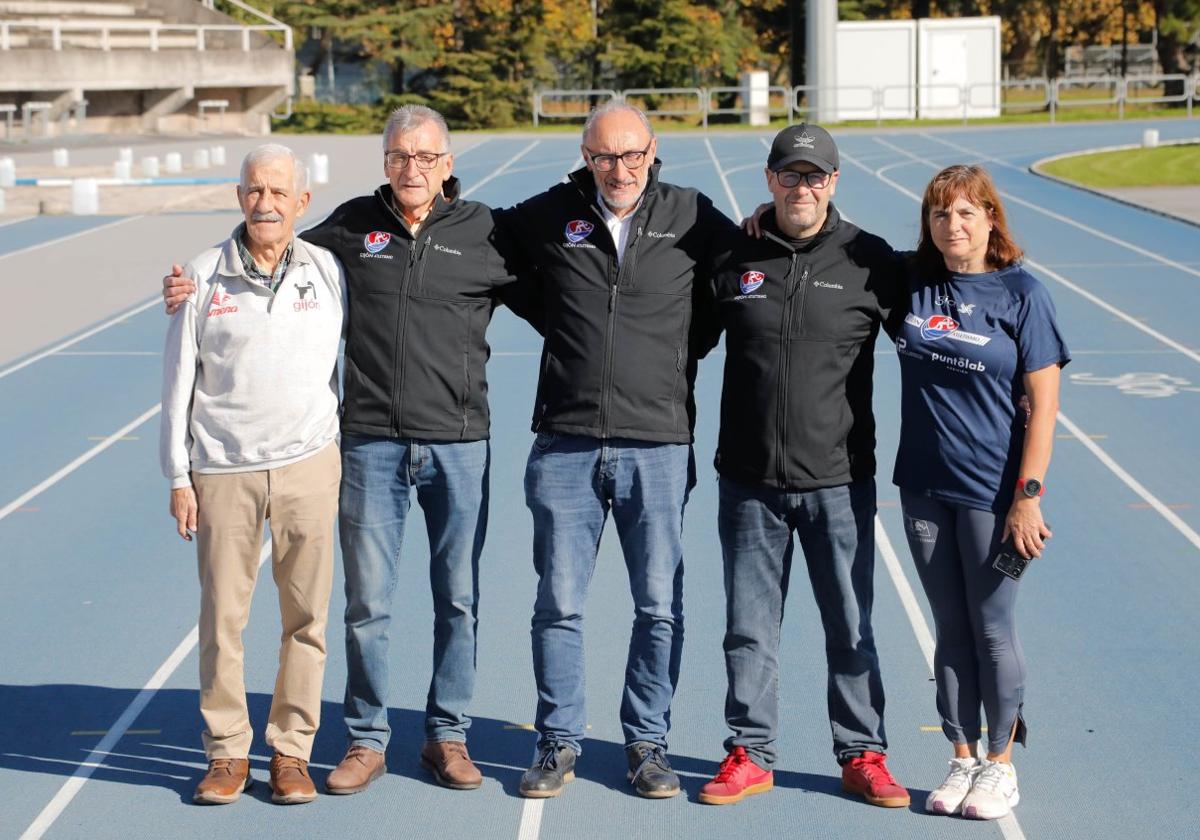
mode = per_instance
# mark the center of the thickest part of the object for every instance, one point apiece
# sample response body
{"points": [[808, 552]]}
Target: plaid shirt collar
{"points": [[272, 280]]}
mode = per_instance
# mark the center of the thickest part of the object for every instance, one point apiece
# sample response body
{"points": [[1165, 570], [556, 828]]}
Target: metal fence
{"points": [[864, 103]]}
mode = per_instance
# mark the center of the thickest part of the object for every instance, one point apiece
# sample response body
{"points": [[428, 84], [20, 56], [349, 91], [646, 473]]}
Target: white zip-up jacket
{"points": [[250, 375]]}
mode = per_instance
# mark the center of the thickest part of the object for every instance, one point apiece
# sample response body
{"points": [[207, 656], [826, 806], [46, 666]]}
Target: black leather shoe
{"points": [[650, 772], [553, 768]]}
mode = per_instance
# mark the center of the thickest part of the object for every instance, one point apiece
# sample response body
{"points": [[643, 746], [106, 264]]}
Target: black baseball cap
{"points": [[804, 142]]}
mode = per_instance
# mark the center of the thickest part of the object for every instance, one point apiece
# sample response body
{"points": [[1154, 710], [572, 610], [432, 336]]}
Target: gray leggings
{"points": [[978, 657]]}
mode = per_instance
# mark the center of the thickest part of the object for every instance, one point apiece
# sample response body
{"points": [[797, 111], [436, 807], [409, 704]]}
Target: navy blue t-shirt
{"points": [[964, 346]]}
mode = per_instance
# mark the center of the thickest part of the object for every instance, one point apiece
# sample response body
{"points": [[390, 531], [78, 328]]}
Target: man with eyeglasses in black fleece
{"points": [[801, 308], [619, 256]]}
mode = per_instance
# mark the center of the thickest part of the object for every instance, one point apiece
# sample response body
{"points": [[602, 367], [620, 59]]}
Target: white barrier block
{"points": [[125, 154], [1, 201], [61, 158], [8, 172], [218, 155], [174, 163], [122, 170], [1150, 138], [318, 169], [85, 197], [150, 167], [756, 83], [200, 159]]}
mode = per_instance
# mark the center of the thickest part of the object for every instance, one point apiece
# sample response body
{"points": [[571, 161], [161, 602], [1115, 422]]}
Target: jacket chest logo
{"points": [[578, 230], [751, 281], [221, 304], [374, 242], [305, 303]]}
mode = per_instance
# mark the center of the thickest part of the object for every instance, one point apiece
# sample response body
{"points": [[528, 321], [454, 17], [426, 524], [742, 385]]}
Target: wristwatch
{"points": [[1031, 487]]}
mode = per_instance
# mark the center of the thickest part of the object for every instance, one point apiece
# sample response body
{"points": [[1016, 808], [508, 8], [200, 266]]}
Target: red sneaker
{"points": [[868, 776], [737, 778]]}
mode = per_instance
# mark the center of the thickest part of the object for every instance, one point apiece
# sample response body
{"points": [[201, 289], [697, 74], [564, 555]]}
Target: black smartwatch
{"points": [[1031, 487]]}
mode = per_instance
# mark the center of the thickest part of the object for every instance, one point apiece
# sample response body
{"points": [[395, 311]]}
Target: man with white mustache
{"points": [[248, 435]]}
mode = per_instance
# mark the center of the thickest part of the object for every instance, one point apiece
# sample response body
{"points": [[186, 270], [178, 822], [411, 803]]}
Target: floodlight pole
{"points": [[820, 47]]}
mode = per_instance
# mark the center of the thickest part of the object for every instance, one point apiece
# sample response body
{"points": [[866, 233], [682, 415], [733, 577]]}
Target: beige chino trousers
{"points": [[300, 503]]}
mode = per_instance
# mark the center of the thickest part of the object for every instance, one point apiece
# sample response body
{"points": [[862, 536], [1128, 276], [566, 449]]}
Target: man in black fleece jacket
{"points": [[619, 256], [801, 308]]}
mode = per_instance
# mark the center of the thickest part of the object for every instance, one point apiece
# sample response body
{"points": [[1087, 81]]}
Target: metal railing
{"points": [[862, 102], [153, 35]]}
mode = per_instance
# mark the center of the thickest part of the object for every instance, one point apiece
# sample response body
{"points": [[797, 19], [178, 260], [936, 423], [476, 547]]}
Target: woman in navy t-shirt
{"points": [[980, 355]]}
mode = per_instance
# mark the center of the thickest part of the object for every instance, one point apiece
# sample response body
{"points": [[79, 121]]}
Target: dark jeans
{"points": [[836, 531]]}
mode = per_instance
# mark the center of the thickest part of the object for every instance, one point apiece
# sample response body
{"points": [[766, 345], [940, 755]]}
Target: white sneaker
{"points": [[994, 793], [948, 797]]}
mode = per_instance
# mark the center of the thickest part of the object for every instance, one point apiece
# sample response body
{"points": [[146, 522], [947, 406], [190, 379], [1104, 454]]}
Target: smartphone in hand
{"points": [[1009, 561]]}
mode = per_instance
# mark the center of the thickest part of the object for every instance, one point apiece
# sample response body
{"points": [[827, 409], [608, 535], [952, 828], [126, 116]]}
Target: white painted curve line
{"points": [[1058, 217], [579, 161], [495, 173], [531, 819], [75, 235], [73, 785], [15, 221], [1132, 483], [1054, 275], [472, 147], [79, 462], [1009, 827], [733, 202], [88, 334]]}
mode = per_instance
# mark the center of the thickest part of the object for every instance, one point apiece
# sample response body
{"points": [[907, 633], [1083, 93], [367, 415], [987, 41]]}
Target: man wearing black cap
{"points": [[801, 308]]}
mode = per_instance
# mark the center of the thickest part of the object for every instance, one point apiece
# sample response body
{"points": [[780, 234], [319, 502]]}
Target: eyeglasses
{"points": [[632, 160], [425, 160], [788, 178]]}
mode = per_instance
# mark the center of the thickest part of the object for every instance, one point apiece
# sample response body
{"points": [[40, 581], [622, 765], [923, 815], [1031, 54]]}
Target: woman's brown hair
{"points": [[975, 185]]}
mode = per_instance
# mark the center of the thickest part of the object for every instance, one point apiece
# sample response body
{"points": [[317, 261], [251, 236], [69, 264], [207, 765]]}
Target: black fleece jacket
{"points": [[618, 360], [800, 328], [418, 307]]}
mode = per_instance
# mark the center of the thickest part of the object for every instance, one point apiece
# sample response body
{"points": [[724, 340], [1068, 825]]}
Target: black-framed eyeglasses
{"points": [[425, 160], [789, 178], [632, 160]]}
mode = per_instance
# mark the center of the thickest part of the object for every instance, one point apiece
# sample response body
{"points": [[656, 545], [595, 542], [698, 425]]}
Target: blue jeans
{"points": [[835, 529], [571, 484], [450, 481]]}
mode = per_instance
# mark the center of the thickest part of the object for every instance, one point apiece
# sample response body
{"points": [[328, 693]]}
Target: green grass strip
{"points": [[1164, 166]]}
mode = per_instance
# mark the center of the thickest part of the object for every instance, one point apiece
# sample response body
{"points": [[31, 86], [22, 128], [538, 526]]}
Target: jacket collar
{"points": [[441, 202], [230, 263], [770, 226]]}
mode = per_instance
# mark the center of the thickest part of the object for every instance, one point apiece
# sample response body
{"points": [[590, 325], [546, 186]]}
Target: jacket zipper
{"points": [[466, 397], [623, 269], [416, 259], [784, 364]]}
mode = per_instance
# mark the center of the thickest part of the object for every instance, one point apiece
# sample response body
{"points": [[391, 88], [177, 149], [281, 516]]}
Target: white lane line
{"points": [[1082, 292], [1009, 827], [75, 235], [89, 333], [73, 785], [578, 163], [472, 147], [1132, 483], [15, 221], [1058, 217], [733, 202], [111, 353], [495, 173], [79, 462], [531, 819]]}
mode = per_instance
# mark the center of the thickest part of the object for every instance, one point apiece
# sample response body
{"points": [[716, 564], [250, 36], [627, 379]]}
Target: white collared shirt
{"points": [[618, 227]]}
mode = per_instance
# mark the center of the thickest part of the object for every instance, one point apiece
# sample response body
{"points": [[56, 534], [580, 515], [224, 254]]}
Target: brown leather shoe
{"points": [[290, 782], [360, 766], [224, 782], [450, 765]]}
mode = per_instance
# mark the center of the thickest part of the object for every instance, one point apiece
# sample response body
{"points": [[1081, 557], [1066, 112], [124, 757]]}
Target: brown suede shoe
{"points": [[290, 782], [224, 782], [450, 765], [360, 766]]}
